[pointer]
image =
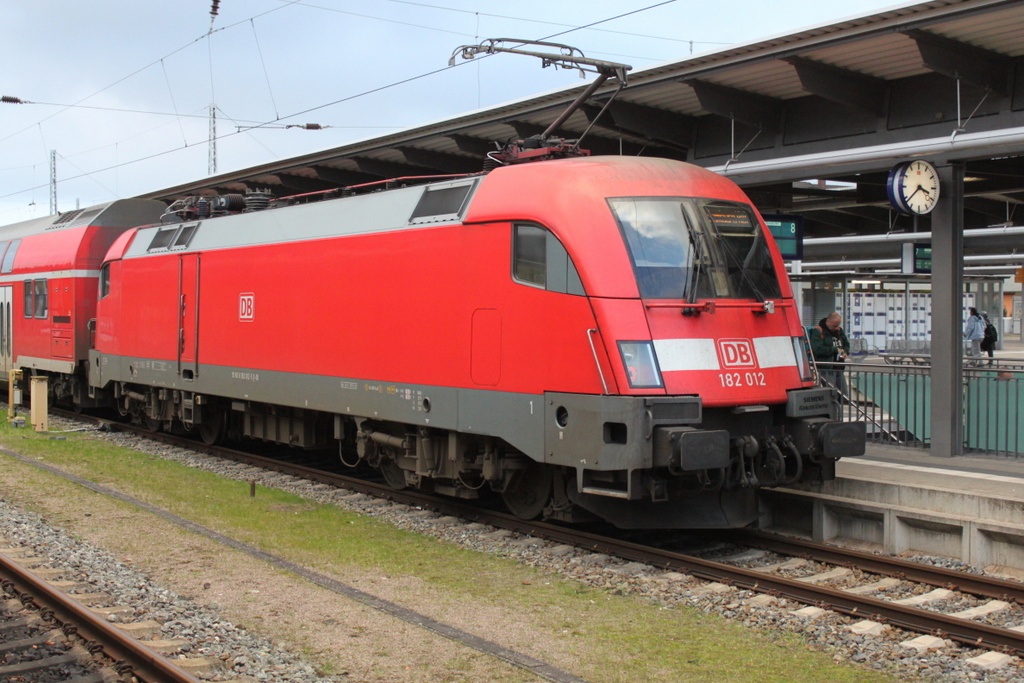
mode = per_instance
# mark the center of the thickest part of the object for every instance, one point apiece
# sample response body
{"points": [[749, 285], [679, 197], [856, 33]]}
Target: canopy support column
{"points": [[947, 423]]}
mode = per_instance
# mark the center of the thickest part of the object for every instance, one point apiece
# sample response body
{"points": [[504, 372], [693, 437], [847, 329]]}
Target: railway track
{"points": [[811, 577], [49, 635]]}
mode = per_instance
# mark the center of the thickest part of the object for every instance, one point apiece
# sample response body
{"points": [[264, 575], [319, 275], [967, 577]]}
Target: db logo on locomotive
{"points": [[736, 353], [247, 307]]}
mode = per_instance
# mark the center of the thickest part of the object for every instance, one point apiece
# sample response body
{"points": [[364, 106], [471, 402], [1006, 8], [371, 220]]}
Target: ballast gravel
{"points": [[827, 631], [237, 652]]}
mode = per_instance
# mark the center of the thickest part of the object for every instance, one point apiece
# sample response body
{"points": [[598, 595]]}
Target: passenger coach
{"points": [[49, 270]]}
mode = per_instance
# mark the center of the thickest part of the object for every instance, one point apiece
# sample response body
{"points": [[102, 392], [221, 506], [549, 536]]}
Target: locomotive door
{"points": [[6, 342], [188, 321]]}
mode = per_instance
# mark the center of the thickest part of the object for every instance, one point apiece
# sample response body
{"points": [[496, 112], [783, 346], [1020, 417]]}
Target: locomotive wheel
{"points": [[212, 431], [528, 492], [393, 475], [153, 424]]}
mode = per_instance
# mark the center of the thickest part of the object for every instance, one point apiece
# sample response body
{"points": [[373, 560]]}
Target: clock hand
{"points": [[919, 188]]}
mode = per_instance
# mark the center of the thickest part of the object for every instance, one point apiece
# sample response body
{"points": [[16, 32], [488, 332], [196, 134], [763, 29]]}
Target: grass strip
{"points": [[625, 639]]}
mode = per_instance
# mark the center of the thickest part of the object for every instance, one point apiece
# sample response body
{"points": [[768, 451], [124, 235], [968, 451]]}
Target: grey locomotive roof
{"points": [[361, 214]]}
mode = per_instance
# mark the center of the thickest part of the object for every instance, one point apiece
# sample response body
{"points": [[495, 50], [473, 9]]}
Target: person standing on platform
{"points": [[830, 348], [974, 332], [988, 342]]}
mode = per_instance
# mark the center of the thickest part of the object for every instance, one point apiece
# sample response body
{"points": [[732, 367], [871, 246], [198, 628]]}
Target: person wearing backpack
{"points": [[974, 332], [991, 336]]}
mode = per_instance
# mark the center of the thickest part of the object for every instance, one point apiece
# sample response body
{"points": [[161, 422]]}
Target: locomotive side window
{"points": [[540, 260], [29, 308], [8, 262], [3, 250], [695, 248], [530, 255]]}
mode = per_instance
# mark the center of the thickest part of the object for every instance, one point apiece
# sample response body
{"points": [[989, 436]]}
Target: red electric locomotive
{"points": [[596, 336]]}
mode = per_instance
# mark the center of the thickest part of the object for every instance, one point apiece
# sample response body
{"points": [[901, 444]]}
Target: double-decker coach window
{"points": [[40, 296], [684, 248], [8, 262], [35, 298], [540, 260], [105, 280]]}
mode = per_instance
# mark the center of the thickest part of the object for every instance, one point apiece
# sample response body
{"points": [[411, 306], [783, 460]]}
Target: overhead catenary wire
{"points": [[554, 23], [252, 137], [174, 104], [266, 75], [455, 66], [286, 4], [203, 114], [251, 21], [303, 112], [441, 30], [147, 66], [150, 112], [88, 175]]}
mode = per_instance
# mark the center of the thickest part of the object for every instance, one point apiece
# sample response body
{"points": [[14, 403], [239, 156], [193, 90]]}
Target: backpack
{"points": [[991, 336]]}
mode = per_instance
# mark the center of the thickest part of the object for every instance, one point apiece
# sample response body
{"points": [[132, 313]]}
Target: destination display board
{"points": [[917, 258]]}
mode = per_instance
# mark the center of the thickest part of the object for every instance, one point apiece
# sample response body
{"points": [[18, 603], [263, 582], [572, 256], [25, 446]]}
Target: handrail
{"points": [[593, 350], [856, 408]]}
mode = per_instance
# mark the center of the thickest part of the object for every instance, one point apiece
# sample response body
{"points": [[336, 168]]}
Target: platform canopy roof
{"points": [[808, 123]]}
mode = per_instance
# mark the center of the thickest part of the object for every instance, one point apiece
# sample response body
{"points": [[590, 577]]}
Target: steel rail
{"points": [[116, 645], [986, 586], [962, 630]]}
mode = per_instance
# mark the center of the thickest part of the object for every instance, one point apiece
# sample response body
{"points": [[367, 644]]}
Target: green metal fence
{"points": [[895, 402]]}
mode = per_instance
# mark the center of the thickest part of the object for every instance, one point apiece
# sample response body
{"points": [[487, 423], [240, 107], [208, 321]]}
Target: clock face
{"points": [[914, 187]]}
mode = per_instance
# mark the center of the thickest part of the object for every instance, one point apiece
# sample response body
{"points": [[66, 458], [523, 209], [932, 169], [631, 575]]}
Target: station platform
{"points": [[909, 502], [1010, 348]]}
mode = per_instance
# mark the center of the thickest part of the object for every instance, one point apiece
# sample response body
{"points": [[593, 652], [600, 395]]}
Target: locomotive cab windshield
{"points": [[690, 249]]}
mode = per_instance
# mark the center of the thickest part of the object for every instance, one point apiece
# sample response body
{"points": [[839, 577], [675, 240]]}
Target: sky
{"points": [[121, 90]]}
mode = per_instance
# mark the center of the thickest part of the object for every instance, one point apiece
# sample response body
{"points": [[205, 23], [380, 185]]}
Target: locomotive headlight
{"points": [[641, 364], [803, 364]]}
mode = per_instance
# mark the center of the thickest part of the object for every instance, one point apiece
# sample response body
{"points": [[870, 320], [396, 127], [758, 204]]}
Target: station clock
{"points": [[913, 187]]}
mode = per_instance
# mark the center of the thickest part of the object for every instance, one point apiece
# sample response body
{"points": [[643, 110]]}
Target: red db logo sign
{"points": [[246, 307], [736, 353]]}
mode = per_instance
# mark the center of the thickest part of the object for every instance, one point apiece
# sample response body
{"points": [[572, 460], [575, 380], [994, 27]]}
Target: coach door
{"points": [[6, 344], [188, 322]]}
